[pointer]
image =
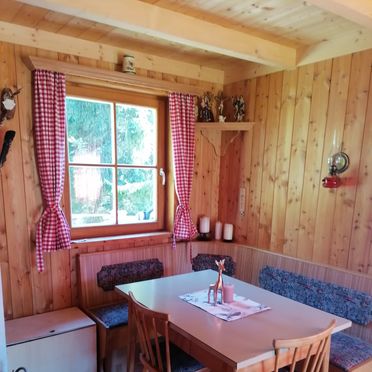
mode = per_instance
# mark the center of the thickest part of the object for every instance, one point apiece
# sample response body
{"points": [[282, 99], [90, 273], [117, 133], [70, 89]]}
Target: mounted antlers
{"points": [[7, 104]]}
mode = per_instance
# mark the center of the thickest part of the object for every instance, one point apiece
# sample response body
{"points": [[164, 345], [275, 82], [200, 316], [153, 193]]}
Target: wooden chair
{"points": [[309, 352], [157, 353]]}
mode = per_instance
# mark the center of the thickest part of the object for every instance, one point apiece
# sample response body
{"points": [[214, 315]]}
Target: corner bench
{"points": [[348, 353], [112, 317]]}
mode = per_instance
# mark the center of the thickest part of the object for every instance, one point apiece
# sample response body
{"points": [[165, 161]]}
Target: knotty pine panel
{"points": [[320, 104], [12, 178], [298, 157], [314, 151], [360, 256], [337, 104], [355, 122], [283, 157], [269, 160]]}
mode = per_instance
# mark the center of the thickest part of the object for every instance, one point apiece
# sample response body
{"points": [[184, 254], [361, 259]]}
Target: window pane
{"points": [[136, 135], [92, 196], [136, 195], [89, 131]]}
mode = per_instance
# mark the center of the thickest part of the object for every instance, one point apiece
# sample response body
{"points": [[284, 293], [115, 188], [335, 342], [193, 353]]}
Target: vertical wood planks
{"points": [[258, 143], [269, 160], [298, 153], [282, 160], [14, 200], [340, 81], [313, 165], [352, 144], [241, 222], [321, 104], [360, 255]]}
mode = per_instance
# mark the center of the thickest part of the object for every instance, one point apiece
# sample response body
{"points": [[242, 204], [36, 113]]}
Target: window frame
{"points": [[132, 98]]}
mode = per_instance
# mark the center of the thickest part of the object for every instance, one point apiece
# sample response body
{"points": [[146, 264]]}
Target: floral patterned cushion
{"points": [[128, 272], [358, 351], [204, 261], [332, 298], [112, 315]]}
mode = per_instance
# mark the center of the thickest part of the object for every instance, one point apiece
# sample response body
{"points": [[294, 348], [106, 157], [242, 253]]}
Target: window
{"points": [[115, 160]]}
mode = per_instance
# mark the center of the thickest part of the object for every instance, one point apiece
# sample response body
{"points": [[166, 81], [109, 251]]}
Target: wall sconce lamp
{"points": [[338, 163]]}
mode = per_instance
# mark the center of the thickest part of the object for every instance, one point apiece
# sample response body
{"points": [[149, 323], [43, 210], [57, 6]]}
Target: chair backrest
{"points": [[151, 325], [310, 351]]}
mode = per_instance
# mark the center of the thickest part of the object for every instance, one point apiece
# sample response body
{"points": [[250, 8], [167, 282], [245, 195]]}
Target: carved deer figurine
{"points": [[218, 286]]}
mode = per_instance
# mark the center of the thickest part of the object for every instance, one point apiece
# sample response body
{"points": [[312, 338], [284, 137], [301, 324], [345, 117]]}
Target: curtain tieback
{"points": [[53, 207], [181, 208]]}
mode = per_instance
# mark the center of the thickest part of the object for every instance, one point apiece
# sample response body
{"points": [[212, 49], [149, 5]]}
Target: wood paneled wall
{"points": [[26, 291], [282, 161]]}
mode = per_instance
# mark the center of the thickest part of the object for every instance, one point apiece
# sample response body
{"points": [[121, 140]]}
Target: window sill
{"points": [[152, 238]]}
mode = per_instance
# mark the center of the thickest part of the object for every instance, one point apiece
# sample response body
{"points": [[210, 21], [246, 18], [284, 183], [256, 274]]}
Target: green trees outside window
{"points": [[112, 162]]}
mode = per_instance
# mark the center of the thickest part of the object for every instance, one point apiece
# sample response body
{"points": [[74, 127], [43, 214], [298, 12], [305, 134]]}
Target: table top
{"points": [[241, 342]]}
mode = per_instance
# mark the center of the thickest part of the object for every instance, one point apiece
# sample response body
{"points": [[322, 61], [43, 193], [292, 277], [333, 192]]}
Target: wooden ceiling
{"points": [[221, 34]]}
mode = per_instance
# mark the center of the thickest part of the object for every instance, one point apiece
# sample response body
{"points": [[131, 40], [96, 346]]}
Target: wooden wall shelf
{"points": [[226, 126], [239, 126]]}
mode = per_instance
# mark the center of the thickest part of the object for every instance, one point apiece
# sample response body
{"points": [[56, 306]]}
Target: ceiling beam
{"points": [[358, 11], [21, 35], [175, 27]]}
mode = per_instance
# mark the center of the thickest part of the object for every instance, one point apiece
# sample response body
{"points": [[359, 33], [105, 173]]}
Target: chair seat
{"points": [[347, 352], [180, 361], [112, 315]]}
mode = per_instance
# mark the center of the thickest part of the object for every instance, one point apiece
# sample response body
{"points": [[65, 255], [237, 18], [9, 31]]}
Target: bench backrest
{"points": [[203, 261], [128, 272], [90, 294], [332, 298]]}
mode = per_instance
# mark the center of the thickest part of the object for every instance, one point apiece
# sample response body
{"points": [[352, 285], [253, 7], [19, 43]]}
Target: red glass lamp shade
{"points": [[331, 182]]}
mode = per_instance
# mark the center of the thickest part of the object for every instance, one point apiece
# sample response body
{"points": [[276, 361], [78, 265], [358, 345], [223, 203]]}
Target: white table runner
{"points": [[241, 307]]}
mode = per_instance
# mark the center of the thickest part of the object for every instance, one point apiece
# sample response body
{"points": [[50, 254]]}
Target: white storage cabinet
{"points": [[58, 341]]}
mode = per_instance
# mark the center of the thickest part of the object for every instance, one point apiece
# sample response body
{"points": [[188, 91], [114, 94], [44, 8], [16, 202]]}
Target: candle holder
{"points": [[204, 236], [227, 240]]}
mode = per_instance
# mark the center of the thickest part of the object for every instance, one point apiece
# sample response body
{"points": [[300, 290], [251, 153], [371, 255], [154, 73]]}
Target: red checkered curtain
{"points": [[182, 116], [53, 231]]}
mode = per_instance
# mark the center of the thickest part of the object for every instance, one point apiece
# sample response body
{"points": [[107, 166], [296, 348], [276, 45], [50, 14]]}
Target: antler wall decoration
{"points": [[7, 111], [8, 104]]}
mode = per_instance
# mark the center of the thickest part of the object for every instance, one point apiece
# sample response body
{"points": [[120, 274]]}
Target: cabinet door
{"points": [[67, 352]]}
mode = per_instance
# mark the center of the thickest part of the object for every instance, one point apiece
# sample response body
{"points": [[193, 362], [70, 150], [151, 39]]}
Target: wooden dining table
{"points": [[244, 344]]}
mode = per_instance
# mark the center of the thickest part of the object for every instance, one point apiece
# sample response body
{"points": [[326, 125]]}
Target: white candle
{"points": [[204, 225], [228, 293], [218, 230], [227, 231]]}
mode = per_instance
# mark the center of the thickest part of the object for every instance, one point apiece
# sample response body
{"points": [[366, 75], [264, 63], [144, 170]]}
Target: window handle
{"points": [[162, 175]]}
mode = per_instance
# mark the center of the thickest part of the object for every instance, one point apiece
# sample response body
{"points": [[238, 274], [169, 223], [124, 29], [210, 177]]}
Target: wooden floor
{"points": [[119, 361]]}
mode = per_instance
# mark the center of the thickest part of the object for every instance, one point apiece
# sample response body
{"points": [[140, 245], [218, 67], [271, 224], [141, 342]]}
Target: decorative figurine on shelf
{"points": [[218, 286], [220, 99], [205, 110], [239, 108]]}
